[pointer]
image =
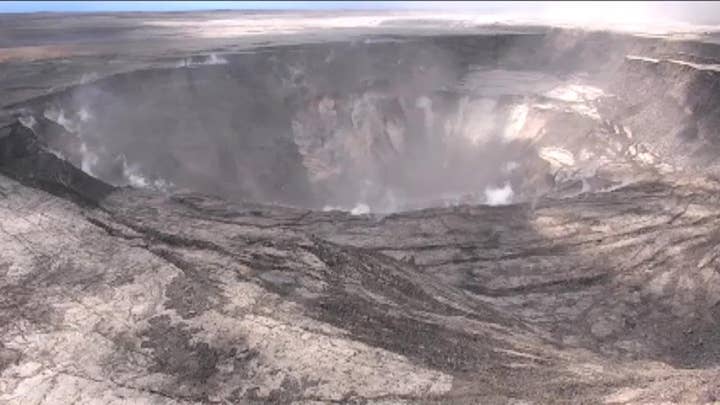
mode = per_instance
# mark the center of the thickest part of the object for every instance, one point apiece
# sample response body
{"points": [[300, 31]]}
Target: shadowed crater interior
{"points": [[388, 125]]}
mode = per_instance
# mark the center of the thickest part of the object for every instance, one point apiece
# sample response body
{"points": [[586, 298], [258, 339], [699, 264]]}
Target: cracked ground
{"points": [[583, 290]]}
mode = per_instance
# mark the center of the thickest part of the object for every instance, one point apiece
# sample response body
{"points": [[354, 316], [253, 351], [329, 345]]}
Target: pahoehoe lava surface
{"points": [[312, 221]]}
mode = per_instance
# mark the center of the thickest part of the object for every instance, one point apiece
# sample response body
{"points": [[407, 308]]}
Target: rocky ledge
{"points": [[120, 295]]}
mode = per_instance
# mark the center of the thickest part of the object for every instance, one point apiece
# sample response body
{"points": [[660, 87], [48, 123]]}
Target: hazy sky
{"points": [[89, 6], [693, 12]]}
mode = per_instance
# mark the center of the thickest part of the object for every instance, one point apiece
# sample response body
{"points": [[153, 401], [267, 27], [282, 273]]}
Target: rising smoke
{"points": [[365, 127]]}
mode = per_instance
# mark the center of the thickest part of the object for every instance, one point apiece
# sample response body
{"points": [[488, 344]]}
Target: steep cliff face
{"points": [[673, 104], [594, 280], [393, 125]]}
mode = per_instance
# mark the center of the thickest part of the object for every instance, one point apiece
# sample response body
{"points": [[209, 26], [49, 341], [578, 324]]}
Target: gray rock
{"points": [[598, 291]]}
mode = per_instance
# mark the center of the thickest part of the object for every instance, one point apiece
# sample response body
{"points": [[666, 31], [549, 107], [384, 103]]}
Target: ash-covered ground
{"points": [[308, 208]]}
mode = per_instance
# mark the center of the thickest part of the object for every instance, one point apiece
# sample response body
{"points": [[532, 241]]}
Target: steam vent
{"points": [[306, 208]]}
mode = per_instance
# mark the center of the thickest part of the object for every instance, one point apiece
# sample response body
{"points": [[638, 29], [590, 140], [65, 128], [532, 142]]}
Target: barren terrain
{"points": [[248, 208]]}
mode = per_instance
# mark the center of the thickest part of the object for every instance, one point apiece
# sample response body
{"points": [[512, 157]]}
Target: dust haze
{"points": [[386, 123]]}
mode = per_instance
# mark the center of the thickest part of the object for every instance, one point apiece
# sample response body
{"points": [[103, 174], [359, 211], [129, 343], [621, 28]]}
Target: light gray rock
{"points": [[159, 295]]}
